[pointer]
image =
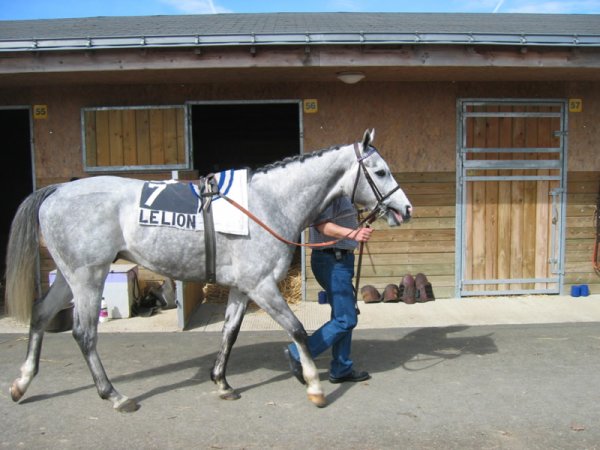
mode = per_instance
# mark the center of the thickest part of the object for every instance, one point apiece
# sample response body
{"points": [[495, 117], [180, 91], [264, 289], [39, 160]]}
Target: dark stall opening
{"points": [[243, 135]]}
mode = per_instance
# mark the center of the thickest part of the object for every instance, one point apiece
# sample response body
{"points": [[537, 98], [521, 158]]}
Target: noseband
{"points": [[380, 208]]}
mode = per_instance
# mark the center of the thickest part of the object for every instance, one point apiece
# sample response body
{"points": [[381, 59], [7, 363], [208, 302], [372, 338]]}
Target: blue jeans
{"points": [[336, 279]]}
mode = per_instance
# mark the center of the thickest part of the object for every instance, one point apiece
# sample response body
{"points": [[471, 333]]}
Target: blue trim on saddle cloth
{"points": [[222, 177], [178, 205], [225, 175]]}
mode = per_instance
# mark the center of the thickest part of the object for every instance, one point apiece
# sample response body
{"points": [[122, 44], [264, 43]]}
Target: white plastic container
{"points": [[119, 289]]}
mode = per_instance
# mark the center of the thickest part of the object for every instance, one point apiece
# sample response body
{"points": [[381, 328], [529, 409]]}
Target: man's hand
{"points": [[363, 234]]}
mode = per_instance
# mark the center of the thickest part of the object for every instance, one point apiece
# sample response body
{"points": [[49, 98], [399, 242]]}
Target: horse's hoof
{"points": [[230, 395], [15, 393], [127, 406], [318, 400]]}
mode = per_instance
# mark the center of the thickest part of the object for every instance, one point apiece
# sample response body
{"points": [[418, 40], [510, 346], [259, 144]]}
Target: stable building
{"points": [[490, 122]]}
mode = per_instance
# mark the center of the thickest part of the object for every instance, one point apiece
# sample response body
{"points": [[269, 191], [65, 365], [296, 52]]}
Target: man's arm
{"points": [[338, 232]]}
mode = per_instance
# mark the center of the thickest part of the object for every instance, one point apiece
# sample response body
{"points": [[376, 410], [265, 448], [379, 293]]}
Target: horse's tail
{"points": [[22, 256]]}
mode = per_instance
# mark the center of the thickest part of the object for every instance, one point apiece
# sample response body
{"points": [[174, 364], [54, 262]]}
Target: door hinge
{"points": [[559, 133]]}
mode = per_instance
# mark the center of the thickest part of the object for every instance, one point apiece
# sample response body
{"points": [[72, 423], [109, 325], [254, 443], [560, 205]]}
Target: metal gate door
{"points": [[510, 191]]}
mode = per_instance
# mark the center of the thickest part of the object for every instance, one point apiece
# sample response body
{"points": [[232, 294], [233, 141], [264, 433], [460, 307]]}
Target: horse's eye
{"points": [[380, 173]]}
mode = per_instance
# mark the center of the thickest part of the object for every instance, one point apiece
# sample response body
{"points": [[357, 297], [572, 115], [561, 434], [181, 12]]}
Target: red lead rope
{"points": [[281, 238]]}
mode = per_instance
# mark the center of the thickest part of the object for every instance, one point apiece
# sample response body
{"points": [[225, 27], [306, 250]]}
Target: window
{"points": [[134, 138]]}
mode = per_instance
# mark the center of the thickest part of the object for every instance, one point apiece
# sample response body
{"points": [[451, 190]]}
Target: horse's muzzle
{"points": [[396, 217]]}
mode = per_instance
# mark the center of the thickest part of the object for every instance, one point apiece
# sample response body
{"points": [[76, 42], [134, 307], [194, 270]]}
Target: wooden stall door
{"points": [[511, 185], [134, 138]]}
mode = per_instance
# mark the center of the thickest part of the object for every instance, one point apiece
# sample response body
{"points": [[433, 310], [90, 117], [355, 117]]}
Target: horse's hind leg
{"points": [[57, 298], [85, 331], [236, 307]]}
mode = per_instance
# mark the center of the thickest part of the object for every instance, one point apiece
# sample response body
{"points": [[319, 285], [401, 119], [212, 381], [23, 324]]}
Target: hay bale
{"points": [[213, 293], [290, 287]]}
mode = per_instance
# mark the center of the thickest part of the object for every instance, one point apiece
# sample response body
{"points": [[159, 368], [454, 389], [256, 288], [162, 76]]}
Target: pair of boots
{"points": [[410, 290], [417, 289]]}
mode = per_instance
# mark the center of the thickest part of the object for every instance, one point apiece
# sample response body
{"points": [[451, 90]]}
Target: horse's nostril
{"points": [[408, 211]]}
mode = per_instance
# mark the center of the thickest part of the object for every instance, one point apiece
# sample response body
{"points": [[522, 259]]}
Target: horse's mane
{"points": [[292, 159]]}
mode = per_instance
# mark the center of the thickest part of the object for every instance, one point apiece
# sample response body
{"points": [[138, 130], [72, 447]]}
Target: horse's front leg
{"points": [[269, 298], [234, 314]]}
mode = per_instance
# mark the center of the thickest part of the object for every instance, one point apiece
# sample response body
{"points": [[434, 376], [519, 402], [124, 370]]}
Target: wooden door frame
{"points": [[559, 195]]}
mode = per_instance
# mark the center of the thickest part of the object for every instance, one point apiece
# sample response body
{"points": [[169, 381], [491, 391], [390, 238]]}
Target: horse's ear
{"points": [[368, 138]]}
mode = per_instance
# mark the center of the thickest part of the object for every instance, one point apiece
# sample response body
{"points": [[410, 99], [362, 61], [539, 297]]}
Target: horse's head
{"points": [[374, 186]]}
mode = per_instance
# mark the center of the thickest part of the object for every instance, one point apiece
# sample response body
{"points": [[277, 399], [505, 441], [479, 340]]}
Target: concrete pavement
{"points": [[511, 373], [456, 387], [442, 312], [439, 313]]}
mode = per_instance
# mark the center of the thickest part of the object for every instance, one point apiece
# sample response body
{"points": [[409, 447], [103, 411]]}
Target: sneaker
{"points": [[295, 366], [352, 376]]}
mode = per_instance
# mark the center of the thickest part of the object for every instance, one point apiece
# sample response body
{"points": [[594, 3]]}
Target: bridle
{"points": [[380, 208]]}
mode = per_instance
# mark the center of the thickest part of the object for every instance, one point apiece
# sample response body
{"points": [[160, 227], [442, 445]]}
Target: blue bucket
{"points": [[322, 298]]}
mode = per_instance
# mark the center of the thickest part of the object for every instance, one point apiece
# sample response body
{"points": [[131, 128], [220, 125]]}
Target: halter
{"points": [[380, 208]]}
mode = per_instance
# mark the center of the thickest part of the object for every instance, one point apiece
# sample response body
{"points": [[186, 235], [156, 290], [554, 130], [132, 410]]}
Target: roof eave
{"points": [[233, 40]]}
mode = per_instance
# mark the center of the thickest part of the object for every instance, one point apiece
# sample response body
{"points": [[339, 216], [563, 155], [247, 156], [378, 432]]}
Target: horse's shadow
{"points": [[420, 349]]}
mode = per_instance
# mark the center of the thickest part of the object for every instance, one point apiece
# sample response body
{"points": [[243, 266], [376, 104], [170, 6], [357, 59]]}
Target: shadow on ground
{"points": [[150, 359]]}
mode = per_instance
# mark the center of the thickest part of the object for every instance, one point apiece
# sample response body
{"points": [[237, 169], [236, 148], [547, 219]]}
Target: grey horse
{"points": [[88, 223]]}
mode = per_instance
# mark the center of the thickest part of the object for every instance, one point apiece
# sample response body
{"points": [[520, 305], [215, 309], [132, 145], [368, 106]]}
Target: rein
{"points": [[279, 237]]}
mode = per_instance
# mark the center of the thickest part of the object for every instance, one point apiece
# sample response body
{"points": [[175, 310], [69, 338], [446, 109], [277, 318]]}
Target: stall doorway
{"points": [[238, 135], [235, 135], [511, 175], [16, 159]]}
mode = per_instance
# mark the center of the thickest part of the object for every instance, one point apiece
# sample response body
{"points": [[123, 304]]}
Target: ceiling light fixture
{"points": [[350, 77]]}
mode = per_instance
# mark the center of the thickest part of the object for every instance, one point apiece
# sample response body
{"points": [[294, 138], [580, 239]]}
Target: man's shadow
{"points": [[421, 349], [433, 344]]}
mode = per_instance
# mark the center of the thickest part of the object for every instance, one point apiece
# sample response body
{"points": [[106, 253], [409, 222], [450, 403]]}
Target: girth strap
{"points": [[208, 188]]}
